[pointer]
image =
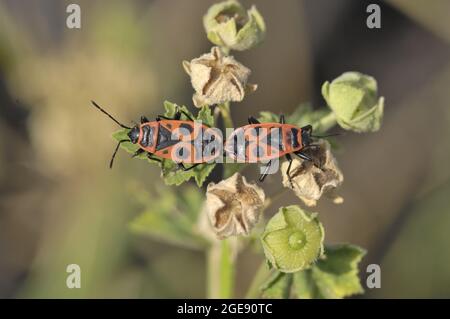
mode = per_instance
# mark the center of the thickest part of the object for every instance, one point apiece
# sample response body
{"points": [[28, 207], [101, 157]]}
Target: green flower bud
{"points": [[353, 99], [229, 25], [293, 239]]}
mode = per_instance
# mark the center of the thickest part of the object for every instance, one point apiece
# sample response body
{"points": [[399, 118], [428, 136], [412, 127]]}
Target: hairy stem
{"points": [[261, 275], [220, 270], [226, 115]]}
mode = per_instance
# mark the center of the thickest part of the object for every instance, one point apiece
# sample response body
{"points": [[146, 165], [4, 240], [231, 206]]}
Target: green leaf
{"points": [[191, 201], [201, 172], [231, 168], [335, 276], [268, 117], [303, 115], [205, 115], [277, 286], [170, 172], [304, 286], [170, 217], [172, 175]]}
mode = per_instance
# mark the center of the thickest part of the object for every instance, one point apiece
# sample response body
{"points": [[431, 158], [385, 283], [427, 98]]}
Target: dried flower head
{"points": [[218, 78], [311, 180], [233, 206]]}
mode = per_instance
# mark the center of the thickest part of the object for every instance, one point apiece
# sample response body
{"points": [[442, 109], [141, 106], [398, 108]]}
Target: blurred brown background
{"points": [[60, 204]]}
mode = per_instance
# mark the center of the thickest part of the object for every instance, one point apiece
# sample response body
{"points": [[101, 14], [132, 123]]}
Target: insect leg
{"points": [[138, 152], [282, 120], [144, 119], [309, 158], [184, 168], [252, 120], [264, 174], [311, 146], [162, 117], [288, 171], [303, 156], [150, 156], [307, 128], [176, 116], [185, 114]]}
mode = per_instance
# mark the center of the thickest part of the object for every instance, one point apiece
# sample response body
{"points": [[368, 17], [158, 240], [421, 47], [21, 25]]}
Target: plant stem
{"points": [[220, 270], [226, 270], [225, 50], [226, 115], [261, 275], [326, 122]]}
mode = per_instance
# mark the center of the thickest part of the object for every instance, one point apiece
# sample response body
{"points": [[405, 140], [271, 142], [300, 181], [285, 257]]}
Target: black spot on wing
{"points": [[164, 138]]}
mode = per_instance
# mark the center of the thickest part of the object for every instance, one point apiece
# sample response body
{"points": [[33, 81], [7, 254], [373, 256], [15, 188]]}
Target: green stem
{"points": [[225, 50], [326, 122], [226, 115], [220, 270], [261, 275]]}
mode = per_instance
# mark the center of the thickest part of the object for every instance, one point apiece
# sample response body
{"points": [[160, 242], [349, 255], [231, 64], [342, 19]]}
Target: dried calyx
{"points": [[218, 78], [234, 206], [312, 179]]}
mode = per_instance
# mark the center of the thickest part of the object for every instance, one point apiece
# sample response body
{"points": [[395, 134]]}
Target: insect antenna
{"points": [[115, 152], [328, 135], [110, 116]]}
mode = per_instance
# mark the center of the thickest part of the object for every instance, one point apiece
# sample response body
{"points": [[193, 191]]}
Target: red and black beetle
{"points": [[264, 142], [183, 141]]}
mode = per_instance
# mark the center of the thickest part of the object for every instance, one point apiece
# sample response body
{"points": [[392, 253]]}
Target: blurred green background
{"points": [[60, 204]]}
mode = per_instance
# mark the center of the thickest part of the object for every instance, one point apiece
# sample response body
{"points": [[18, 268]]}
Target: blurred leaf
{"points": [[191, 200], [170, 217], [268, 117], [336, 276], [303, 115], [170, 172], [304, 286], [333, 277], [277, 286], [232, 168]]}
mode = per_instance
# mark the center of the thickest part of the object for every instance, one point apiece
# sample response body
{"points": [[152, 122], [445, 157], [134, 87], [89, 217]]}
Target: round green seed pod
{"points": [[293, 239]]}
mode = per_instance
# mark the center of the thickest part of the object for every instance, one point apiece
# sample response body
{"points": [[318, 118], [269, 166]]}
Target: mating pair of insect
{"points": [[160, 141]]}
